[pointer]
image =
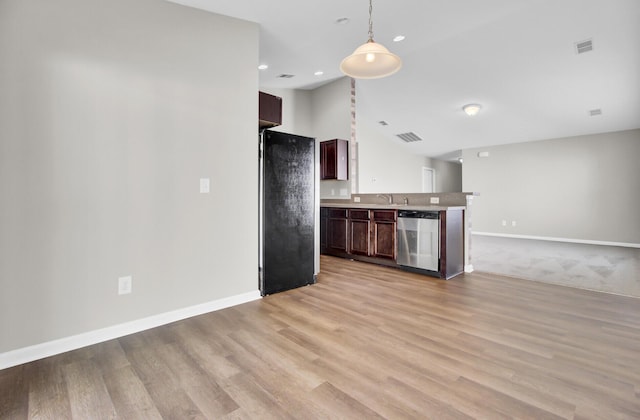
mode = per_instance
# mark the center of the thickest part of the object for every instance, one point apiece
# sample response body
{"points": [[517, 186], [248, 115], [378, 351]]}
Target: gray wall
{"points": [[296, 111], [448, 175], [110, 112], [331, 119], [580, 188], [384, 165]]}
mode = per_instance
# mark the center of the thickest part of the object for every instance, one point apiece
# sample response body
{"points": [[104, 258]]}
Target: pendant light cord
{"points": [[370, 21]]}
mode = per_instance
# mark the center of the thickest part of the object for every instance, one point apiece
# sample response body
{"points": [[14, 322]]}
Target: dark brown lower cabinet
{"points": [[359, 232], [337, 227], [384, 234]]}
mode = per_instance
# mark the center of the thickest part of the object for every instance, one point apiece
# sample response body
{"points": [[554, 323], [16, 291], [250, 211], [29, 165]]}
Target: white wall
{"points": [[110, 113], [296, 111], [383, 165], [448, 175], [579, 188], [331, 119]]}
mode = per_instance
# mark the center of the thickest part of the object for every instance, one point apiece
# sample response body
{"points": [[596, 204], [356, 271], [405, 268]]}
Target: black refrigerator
{"points": [[289, 208]]}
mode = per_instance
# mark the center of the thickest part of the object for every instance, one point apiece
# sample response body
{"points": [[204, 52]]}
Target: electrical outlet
{"points": [[513, 223], [434, 200], [125, 285], [356, 199], [504, 223]]}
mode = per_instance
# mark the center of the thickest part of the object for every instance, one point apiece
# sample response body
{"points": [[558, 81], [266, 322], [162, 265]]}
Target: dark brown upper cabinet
{"points": [[334, 159], [269, 110]]}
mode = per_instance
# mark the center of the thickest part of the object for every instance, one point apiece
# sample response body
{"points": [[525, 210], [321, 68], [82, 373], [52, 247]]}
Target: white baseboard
{"points": [[551, 239], [50, 348], [468, 268]]}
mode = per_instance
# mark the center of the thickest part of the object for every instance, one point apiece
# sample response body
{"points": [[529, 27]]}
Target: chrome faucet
{"points": [[389, 197]]}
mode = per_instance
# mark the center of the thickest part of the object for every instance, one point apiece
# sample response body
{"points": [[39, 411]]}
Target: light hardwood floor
{"points": [[365, 342]]}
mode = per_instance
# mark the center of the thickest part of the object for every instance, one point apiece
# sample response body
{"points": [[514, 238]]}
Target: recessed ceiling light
{"points": [[398, 38], [472, 109], [318, 73], [263, 67]]}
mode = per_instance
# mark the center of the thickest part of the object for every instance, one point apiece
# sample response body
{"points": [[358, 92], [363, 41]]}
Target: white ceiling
{"points": [[515, 57]]}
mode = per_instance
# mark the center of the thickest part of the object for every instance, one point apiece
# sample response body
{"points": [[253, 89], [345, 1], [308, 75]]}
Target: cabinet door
{"points": [[334, 159], [337, 234], [384, 240], [269, 110], [384, 234], [328, 156], [360, 237]]}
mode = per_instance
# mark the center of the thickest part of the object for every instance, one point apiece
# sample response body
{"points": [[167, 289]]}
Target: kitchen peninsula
{"points": [[424, 233]]}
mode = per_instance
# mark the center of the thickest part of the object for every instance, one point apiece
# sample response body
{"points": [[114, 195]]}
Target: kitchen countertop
{"points": [[350, 205]]}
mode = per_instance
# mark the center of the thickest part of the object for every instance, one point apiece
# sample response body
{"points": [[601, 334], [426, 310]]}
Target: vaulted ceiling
{"points": [[517, 58]]}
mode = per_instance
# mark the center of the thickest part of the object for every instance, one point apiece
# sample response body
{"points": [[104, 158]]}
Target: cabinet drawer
{"points": [[338, 213], [359, 214], [384, 215]]}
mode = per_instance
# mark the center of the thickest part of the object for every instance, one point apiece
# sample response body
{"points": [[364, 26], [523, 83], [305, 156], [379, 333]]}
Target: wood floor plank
{"points": [[205, 392], [364, 342], [129, 396], [342, 404], [48, 396], [14, 394], [170, 399], [87, 391]]}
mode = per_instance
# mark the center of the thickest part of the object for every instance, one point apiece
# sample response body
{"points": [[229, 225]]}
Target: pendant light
{"points": [[370, 60]]}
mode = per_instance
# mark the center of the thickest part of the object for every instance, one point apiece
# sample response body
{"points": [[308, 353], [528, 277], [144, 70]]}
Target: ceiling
{"points": [[516, 58]]}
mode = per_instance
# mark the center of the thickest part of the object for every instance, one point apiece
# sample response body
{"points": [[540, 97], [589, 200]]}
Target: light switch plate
{"points": [[125, 285], [205, 185]]}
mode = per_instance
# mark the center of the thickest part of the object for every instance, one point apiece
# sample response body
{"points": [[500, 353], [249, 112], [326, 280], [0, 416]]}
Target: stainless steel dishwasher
{"points": [[419, 239]]}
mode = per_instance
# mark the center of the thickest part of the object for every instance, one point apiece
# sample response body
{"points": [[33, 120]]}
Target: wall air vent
{"points": [[584, 46], [285, 76], [409, 137], [595, 112]]}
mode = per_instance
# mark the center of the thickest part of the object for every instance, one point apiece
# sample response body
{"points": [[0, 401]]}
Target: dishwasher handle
{"points": [[418, 214]]}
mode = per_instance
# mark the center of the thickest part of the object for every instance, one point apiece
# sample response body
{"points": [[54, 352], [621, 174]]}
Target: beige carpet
{"points": [[595, 267]]}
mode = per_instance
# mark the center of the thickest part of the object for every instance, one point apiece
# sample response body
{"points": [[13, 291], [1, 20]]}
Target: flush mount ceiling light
{"points": [[370, 60], [472, 109]]}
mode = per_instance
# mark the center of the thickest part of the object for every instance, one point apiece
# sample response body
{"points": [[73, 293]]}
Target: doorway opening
{"points": [[428, 180]]}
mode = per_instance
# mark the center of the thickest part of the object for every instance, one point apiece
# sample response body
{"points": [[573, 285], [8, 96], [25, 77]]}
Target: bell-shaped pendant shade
{"points": [[371, 61]]}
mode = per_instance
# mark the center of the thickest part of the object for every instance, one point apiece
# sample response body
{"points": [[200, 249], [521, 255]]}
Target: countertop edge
{"points": [[389, 206]]}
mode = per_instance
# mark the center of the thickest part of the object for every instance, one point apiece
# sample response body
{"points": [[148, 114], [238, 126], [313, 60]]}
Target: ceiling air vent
{"points": [[285, 76], [595, 112], [584, 46], [409, 137]]}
